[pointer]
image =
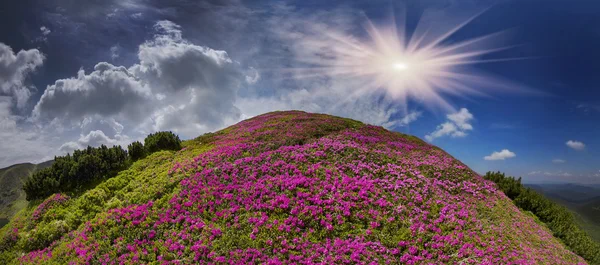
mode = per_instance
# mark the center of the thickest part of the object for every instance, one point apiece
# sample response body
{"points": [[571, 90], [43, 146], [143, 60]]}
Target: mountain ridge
{"points": [[12, 197]]}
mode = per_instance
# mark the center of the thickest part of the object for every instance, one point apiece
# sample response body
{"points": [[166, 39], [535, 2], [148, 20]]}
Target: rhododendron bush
{"points": [[297, 188]]}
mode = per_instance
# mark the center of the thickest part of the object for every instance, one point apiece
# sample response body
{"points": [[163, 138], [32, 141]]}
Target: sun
{"points": [[423, 65], [400, 66]]}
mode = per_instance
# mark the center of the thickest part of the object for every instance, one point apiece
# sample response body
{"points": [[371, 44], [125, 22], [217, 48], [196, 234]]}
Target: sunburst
{"points": [[424, 66]]}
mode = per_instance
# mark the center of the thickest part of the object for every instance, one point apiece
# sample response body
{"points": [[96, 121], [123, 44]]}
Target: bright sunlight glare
{"points": [[422, 65], [400, 66]]}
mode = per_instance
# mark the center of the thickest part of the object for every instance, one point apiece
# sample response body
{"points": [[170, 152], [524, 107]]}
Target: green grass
{"points": [[146, 179], [149, 180]]}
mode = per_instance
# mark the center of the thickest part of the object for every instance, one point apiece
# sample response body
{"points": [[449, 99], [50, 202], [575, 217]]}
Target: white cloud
{"points": [[462, 119], [564, 174], [14, 69], [176, 85], [558, 161], [45, 31], [502, 155], [252, 76], [559, 173], [109, 91], [94, 138], [136, 15], [575, 145], [114, 52], [21, 141], [458, 125], [409, 118]]}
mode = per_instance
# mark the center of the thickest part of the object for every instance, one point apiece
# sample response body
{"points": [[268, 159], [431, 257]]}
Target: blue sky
{"points": [[121, 69]]}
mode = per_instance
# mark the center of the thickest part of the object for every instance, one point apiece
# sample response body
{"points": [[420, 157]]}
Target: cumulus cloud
{"points": [[14, 69], [20, 141], [108, 91], [176, 85], [558, 161], [575, 145], [457, 125], [94, 138], [502, 155]]}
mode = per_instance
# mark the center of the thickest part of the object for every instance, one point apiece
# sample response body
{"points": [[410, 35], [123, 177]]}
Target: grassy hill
{"points": [[282, 188], [12, 197]]}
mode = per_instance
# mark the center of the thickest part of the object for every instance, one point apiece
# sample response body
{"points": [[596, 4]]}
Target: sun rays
{"points": [[425, 65]]}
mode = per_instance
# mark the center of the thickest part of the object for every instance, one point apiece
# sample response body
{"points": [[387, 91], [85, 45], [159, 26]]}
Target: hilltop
{"points": [[12, 197], [286, 187]]}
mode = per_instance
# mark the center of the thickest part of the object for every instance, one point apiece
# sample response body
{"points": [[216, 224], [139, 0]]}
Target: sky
{"points": [[507, 86]]}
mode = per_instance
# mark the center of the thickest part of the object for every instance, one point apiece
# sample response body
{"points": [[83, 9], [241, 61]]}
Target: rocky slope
{"points": [[287, 188]]}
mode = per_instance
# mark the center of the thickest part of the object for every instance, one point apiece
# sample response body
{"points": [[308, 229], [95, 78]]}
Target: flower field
{"points": [[287, 188]]}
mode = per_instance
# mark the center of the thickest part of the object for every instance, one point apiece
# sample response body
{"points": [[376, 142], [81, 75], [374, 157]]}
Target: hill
{"points": [[582, 201], [282, 188], [12, 197], [567, 192]]}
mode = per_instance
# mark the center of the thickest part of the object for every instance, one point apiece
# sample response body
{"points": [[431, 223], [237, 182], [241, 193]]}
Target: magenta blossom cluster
{"points": [[298, 188], [47, 204]]}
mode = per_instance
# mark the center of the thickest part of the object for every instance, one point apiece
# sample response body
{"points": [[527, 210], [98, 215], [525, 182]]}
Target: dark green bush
{"points": [[136, 151], [71, 172], [560, 221], [162, 141], [74, 173]]}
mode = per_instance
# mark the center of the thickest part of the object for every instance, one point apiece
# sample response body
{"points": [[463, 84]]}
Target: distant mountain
{"points": [[12, 197], [569, 192], [582, 200]]}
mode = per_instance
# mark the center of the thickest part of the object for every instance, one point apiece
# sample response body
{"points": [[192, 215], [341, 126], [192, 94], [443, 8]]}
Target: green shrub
{"points": [[71, 172], [79, 171], [136, 151], [162, 141], [44, 235]]}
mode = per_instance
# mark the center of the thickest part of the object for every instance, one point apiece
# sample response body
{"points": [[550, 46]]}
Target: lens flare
{"points": [[426, 65], [400, 66]]}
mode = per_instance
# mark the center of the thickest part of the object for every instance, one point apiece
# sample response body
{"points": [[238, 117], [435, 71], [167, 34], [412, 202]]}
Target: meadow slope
{"points": [[286, 188]]}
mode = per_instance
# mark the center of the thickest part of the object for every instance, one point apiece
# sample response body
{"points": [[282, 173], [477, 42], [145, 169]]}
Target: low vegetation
{"points": [[283, 188], [74, 173], [559, 219]]}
